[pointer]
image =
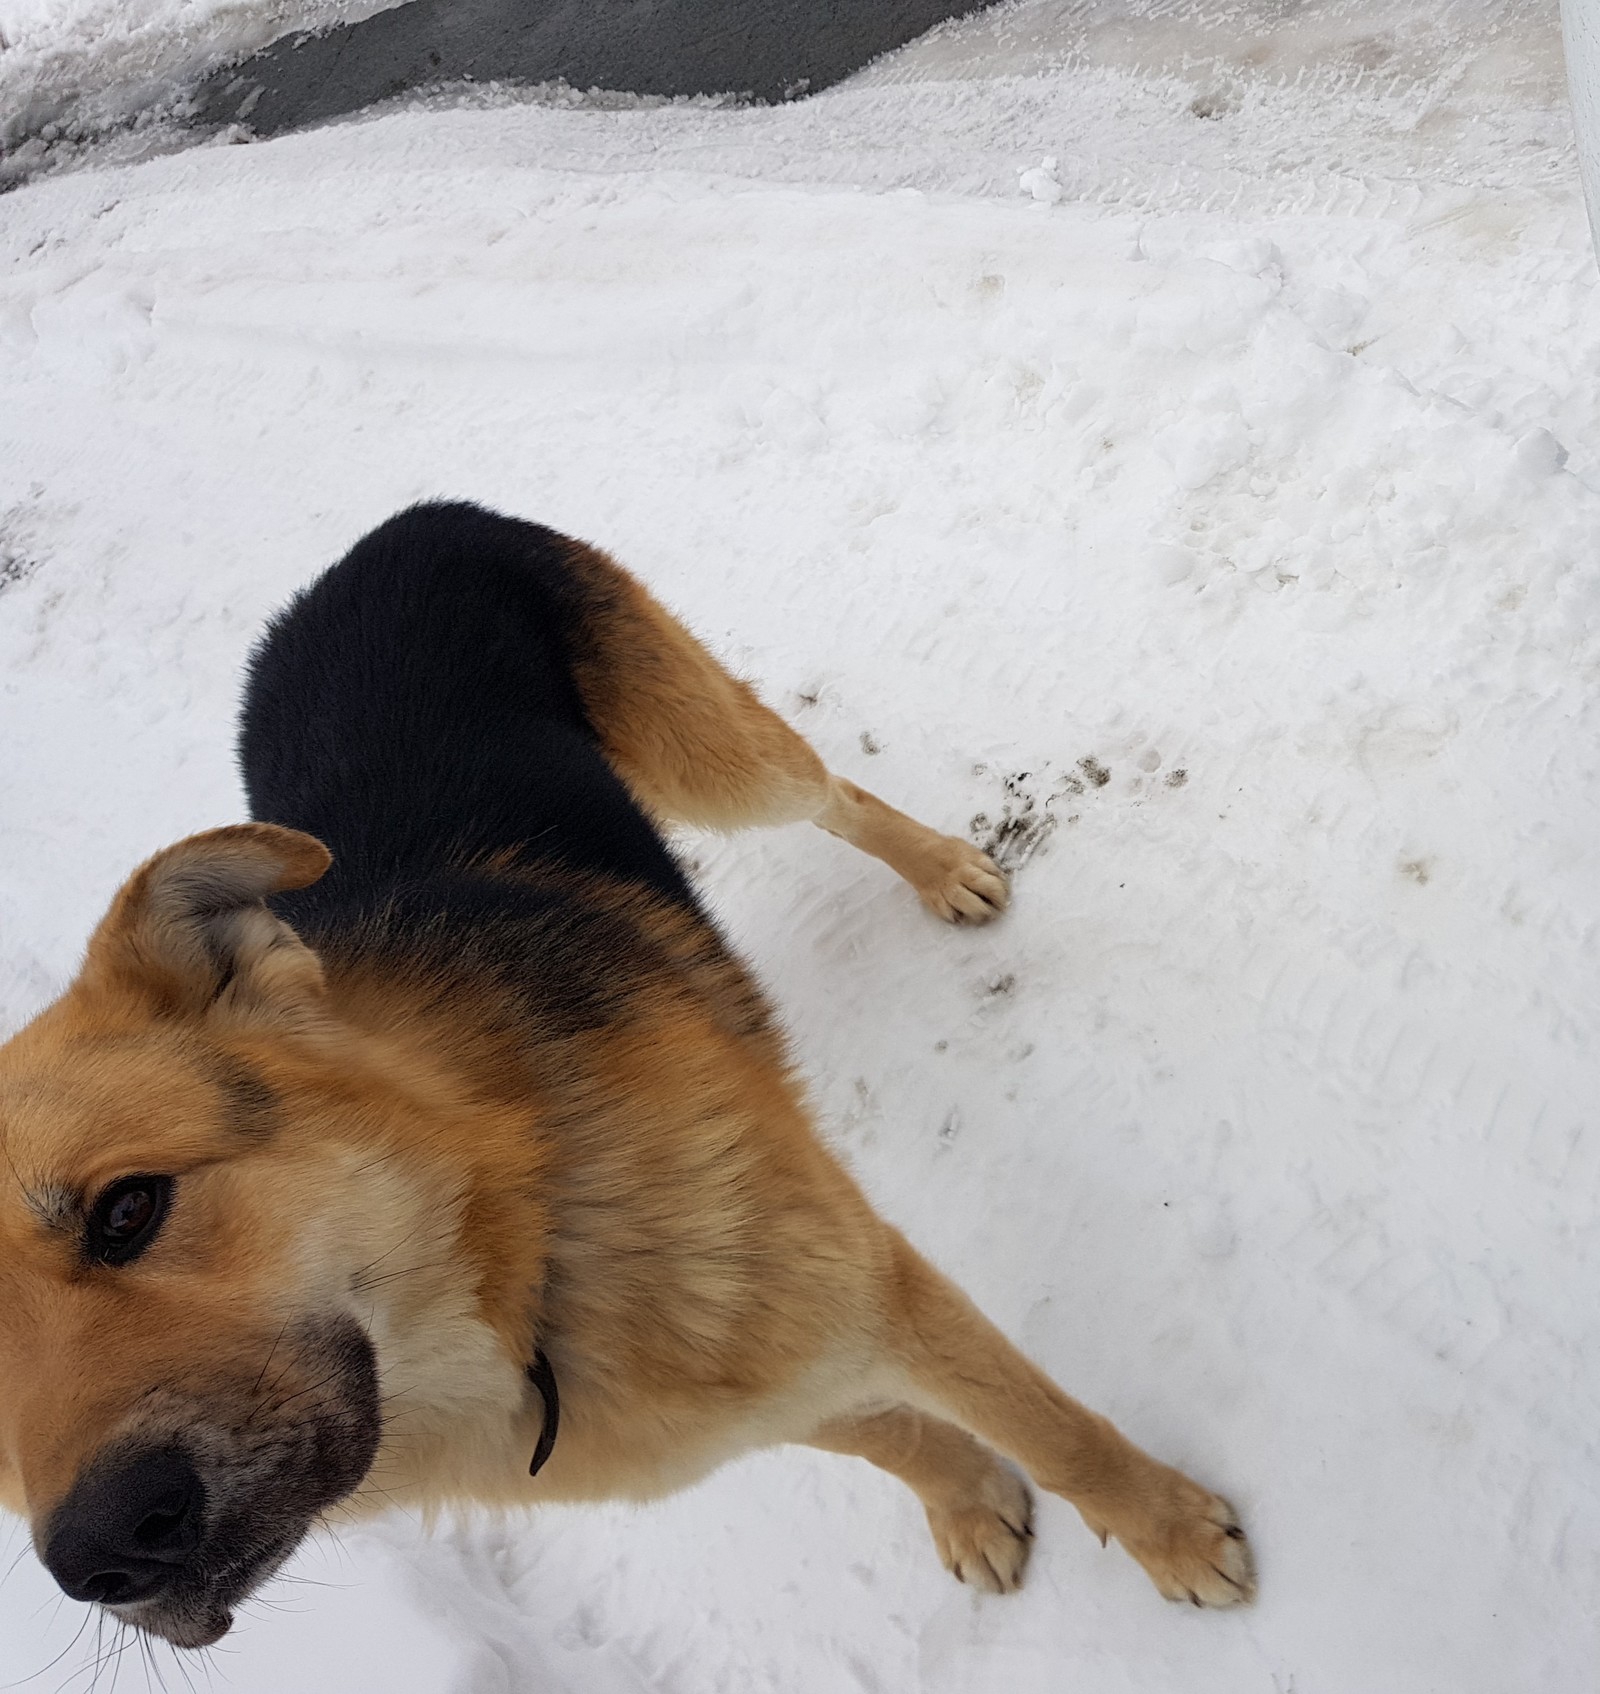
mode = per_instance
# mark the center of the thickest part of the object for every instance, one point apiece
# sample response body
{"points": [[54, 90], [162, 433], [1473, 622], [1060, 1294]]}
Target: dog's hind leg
{"points": [[979, 1511], [695, 745], [952, 1360]]}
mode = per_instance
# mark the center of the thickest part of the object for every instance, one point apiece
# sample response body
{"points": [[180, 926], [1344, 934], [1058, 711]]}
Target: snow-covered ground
{"points": [[1215, 510]]}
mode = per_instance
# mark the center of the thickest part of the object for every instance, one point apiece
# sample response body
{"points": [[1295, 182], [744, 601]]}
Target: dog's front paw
{"points": [[1193, 1548], [960, 884], [985, 1540]]}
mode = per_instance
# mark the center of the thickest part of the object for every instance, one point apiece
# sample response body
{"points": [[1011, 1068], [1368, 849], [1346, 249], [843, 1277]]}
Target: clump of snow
{"points": [[1043, 181], [1223, 539]]}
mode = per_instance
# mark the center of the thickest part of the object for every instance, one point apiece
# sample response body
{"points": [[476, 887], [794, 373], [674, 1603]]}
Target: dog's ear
{"points": [[189, 934]]}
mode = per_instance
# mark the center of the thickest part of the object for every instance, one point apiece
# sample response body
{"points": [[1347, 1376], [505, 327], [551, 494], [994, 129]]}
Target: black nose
{"points": [[127, 1529]]}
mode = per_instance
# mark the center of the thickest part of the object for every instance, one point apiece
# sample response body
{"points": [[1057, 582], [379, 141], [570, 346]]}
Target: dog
{"points": [[422, 1140]]}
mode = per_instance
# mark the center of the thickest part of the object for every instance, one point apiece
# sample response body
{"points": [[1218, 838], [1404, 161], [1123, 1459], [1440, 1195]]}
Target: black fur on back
{"points": [[414, 709]]}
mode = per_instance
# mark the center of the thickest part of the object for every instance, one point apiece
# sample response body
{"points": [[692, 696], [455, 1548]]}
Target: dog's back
{"points": [[415, 709]]}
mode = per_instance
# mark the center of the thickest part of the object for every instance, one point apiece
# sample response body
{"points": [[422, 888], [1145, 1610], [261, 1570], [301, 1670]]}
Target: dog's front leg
{"points": [[978, 1508], [955, 1362]]}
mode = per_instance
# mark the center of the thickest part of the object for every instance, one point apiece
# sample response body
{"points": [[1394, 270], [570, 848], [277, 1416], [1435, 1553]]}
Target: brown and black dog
{"points": [[380, 1134]]}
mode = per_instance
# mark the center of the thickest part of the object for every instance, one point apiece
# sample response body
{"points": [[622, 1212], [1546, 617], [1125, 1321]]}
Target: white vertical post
{"points": [[1580, 31]]}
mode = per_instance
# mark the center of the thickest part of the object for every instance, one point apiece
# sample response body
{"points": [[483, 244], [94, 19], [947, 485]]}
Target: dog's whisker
{"points": [[409, 1270], [126, 1636], [103, 1654], [356, 1275], [77, 1636], [22, 1552], [151, 1669], [275, 1407], [268, 1360]]}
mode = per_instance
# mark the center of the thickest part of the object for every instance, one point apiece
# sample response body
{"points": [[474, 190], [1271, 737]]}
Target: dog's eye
{"points": [[126, 1217]]}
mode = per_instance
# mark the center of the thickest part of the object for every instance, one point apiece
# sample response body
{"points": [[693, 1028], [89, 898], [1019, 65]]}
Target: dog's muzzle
{"points": [[175, 1523]]}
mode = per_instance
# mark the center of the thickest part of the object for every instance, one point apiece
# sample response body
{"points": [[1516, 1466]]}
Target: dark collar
{"points": [[544, 1379]]}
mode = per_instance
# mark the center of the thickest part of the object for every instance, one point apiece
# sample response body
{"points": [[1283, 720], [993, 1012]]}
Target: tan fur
{"points": [[648, 1202], [697, 746], [978, 1510]]}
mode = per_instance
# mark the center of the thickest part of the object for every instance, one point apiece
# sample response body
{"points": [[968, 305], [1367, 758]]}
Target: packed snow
{"points": [[1157, 438]]}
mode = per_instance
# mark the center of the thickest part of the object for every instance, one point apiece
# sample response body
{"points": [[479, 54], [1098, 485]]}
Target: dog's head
{"points": [[184, 1382]]}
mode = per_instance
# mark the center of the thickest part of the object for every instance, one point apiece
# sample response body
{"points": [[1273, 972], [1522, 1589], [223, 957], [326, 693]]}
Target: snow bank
{"points": [[1231, 550], [91, 63]]}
